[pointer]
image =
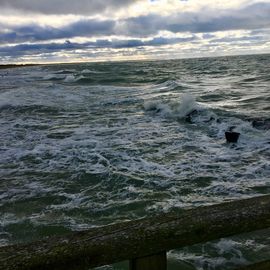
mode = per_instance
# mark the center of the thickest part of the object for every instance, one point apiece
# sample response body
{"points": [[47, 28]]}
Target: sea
{"points": [[90, 144]]}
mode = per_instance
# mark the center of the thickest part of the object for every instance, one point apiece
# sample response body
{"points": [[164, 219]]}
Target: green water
{"points": [[84, 145]]}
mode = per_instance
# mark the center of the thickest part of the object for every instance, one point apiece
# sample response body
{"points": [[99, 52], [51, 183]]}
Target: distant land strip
{"points": [[16, 65]]}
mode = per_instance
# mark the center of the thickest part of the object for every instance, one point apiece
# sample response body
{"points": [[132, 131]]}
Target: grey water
{"points": [[89, 144]]}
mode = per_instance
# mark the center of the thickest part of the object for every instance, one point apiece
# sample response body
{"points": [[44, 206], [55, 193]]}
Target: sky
{"points": [[49, 31]]}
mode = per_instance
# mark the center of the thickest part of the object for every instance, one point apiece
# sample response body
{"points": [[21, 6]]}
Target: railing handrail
{"points": [[139, 238]]}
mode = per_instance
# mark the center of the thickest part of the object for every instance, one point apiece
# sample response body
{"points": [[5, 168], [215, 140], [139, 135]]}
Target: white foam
{"points": [[8, 219], [173, 109], [73, 78], [86, 71], [186, 105], [227, 254], [91, 71], [70, 78], [53, 77]]}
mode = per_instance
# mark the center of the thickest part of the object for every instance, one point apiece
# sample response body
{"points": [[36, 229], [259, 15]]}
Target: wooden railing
{"points": [[143, 242]]}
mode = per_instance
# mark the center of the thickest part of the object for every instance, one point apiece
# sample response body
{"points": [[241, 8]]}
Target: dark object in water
{"points": [[189, 116], [262, 124], [232, 136], [231, 128], [209, 120]]}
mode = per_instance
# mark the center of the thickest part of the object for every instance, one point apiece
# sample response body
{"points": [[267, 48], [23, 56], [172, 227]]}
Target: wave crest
{"points": [[174, 109]]}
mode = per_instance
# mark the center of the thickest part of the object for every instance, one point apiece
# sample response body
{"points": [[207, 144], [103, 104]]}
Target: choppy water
{"points": [[84, 145]]}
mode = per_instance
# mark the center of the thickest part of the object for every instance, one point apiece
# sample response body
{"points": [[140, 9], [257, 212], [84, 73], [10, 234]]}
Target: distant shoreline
{"points": [[16, 66], [7, 66]]}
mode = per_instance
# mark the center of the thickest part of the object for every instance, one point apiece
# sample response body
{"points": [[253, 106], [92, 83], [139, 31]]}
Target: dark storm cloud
{"points": [[157, 41], [31, 49], [86, 28], [65, 6]]}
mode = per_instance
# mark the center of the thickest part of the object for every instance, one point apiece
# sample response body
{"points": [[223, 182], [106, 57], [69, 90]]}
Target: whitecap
{"points": [[70, 78], [175, 109], [50, 77], [86, 71]]}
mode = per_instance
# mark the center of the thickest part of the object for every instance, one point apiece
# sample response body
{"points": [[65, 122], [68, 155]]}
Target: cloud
{"points": [[104, 27], [250, 39], [255, 16], [30, 49], [65, 6], [33, 32]]}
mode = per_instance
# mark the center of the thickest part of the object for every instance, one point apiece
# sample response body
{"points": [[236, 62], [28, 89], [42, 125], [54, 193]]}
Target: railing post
{"points": [[153, 262]]}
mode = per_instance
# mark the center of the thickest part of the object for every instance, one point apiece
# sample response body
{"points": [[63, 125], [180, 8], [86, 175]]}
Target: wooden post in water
{"points": [[153, 262]]}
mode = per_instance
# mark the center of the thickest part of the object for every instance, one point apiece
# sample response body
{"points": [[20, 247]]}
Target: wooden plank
{"points": [[152, 262], [127, 240]]}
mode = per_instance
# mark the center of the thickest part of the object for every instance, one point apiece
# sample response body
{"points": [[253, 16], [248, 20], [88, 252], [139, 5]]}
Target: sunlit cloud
{"points": [[94, 30]]}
